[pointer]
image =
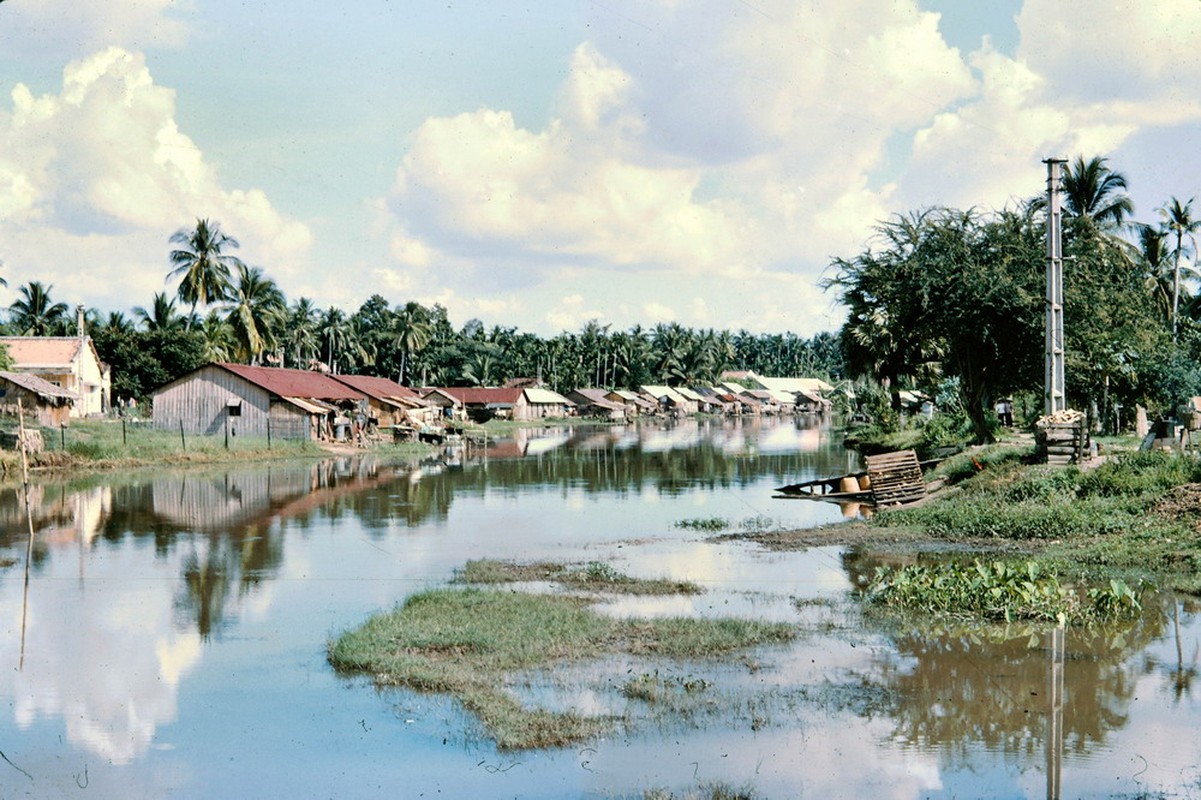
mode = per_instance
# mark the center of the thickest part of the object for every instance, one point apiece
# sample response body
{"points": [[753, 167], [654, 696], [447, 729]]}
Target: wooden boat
{"points": [[835, 488]]}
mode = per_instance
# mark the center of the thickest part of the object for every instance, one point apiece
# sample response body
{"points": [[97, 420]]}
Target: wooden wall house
{"points": [[41, 402], [484, 403], [389, 402], [248, 400], [543, 403]]}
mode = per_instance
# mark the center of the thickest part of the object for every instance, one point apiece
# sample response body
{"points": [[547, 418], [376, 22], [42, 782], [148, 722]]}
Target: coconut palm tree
{"points": [[220, 344], [410, 333], [1093, 191], [335, 333], [301, 333], [1153, 259], [1178, 219], [34, 314], [205, 270], [162, 317], [256, 311]]}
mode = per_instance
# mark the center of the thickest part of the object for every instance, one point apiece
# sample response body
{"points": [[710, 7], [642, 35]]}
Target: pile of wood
{"points": [[895, 477], [1062, 437]]}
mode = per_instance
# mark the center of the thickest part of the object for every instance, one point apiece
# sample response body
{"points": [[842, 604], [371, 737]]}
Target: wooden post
{"points": [[21, 445], [183, 445], [124, 440], [268, 433], [62, 435], [227, 429]]}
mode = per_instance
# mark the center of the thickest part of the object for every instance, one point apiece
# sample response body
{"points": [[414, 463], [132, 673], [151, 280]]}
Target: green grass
{"points": [[593, 576], [471, 643], [102, 444], [1087, 524], [711, 524]]}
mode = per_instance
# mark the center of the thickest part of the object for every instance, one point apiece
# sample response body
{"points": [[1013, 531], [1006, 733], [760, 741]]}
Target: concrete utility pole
{"points": [[1054, 393]]}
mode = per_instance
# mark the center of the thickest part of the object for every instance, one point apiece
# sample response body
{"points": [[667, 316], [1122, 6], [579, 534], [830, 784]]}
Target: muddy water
{"points": [[175, 626]]}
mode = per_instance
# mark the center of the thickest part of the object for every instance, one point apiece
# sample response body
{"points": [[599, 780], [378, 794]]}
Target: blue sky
{"points": [[697, 161]]}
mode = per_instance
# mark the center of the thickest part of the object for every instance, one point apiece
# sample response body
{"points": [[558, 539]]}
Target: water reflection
{"points": [[177, 617]]}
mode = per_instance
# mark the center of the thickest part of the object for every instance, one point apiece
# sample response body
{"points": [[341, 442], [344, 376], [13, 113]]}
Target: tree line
{"points": [[247, 318], [943, 298]]}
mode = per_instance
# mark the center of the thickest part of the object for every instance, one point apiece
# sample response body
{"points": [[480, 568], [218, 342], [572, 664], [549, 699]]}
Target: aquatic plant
{"points": [[704, 524], [999, 590]]}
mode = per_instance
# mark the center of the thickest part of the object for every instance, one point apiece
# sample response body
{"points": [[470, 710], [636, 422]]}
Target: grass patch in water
{"points": [[469, 643], [711, 524], [593, 576]]}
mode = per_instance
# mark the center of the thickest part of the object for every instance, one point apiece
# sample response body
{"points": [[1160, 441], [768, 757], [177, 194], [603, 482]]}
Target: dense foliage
{"points": [[944, 294]]}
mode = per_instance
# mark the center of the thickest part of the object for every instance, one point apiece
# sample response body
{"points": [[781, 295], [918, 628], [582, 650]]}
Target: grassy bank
{"points": [[474, 643], [1136, 517], [108, 444]]}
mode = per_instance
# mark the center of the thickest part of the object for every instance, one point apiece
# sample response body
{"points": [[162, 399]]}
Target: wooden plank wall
{"points": [[895, 477], [201, 402]]}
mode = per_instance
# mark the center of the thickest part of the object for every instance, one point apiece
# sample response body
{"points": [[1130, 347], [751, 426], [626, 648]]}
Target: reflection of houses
{"points": [[39, 400], [388, 401], [288, 403], [68, 362]]}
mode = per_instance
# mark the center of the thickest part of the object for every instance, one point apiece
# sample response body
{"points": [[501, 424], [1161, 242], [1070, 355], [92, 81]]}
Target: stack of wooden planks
{"points": [[895, 477]]}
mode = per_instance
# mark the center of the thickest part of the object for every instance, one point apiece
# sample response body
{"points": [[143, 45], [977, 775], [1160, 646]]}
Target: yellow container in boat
{"points": [[865, 483], [848, 484]]}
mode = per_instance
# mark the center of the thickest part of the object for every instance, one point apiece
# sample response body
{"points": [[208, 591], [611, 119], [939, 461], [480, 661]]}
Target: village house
{"points": [[69, 362], [595, 403], [38, 400], [669, 399], [256, 401], [484, 403], [390, 403]]}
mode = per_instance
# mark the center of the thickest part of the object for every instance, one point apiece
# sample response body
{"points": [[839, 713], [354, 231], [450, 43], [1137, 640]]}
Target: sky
{"points": [[543, 165]]}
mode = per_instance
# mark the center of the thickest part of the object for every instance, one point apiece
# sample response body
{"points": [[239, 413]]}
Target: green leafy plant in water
{"points": [[704, 524], [998, 591]]}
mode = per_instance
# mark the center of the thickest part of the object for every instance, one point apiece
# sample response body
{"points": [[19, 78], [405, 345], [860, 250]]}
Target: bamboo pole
{"points": [[21, 445]]}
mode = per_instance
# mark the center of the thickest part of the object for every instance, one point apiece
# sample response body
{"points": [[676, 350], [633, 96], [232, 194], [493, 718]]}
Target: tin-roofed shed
{"points": [[250, 400]]}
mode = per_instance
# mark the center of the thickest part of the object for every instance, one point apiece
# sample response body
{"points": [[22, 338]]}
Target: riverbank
{"points": [[105, 445], [1134, 516]]}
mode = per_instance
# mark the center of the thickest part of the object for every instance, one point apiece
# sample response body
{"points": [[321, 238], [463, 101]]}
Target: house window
{"points": [[234, 408]]}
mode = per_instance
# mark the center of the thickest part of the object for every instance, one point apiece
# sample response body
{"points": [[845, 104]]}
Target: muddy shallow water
{"points": [[176, 623]]}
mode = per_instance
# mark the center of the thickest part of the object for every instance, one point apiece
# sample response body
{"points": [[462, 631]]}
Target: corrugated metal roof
{"points": [[376, 387], [294, 382], [311, 406], [39, 386], [476, 395], [546, 397]]}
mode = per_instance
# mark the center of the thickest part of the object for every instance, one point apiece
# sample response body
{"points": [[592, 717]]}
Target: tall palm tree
{"points": [[116, 323], [162, 317], [1152, 257], [220, 344], [1093, 191], [335, 333], [1179, 220], [410, 333], [34, 314], [205, 271], [301, 333], [256, 311]]}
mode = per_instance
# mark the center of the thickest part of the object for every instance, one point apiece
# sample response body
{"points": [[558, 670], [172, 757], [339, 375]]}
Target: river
{"points": [[171, 639]]}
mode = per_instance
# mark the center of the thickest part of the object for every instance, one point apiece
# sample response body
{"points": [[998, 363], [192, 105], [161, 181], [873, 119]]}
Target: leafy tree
{"points": [[204, 268], [956, 285]]}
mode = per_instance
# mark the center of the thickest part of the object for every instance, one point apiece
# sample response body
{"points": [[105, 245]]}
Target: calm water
{"points": [[176, 625]]}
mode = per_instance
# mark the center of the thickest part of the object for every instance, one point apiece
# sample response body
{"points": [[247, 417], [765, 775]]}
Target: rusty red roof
{"points": [[474, 395], [294, 382], [376, 387]]}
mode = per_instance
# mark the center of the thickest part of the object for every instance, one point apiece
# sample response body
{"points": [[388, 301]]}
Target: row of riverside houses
{"points": [[298, 404]]}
